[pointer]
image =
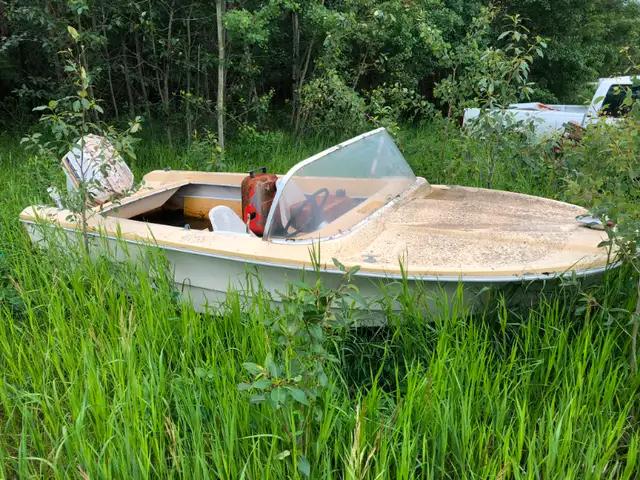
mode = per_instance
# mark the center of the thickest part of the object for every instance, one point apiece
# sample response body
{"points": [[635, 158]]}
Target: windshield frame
{"points": [[302, 164]]}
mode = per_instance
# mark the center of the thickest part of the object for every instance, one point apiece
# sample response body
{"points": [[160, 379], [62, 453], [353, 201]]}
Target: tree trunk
{"points": [[127, 80], [156, 66], [107, 59], [298, 117], [143, 85], [50, 11], [4, 23], [220, 8], [198, 74], [188, 89], [295, 71], [205, 79], [167, 66]]}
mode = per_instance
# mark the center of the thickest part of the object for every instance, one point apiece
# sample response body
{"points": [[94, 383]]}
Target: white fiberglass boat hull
{"points": [[204, 280], [358, 202]]}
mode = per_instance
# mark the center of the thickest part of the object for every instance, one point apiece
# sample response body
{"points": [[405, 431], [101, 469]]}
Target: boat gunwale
{"points": [[35, 214], [363, 272]]}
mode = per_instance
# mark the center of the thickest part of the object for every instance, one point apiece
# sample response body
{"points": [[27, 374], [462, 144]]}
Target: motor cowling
{"points": [[258, 191]]}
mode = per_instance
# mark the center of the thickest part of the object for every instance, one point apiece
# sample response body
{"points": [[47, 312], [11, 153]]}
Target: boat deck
{"points": [[469, 230], [444, 231]]}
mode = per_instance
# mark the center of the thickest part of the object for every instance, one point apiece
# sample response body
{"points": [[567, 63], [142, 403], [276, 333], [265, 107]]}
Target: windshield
{"points": [[332, 191]]}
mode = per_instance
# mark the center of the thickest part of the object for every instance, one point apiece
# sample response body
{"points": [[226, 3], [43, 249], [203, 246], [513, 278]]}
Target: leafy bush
{"points": [[329, 105], [492, 139], [603, 171], [204, 152], [294, 377], [487, 72], [388, 105]]}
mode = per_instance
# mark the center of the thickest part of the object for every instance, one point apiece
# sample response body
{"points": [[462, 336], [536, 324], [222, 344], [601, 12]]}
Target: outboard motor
{"points": [[258, 191]]}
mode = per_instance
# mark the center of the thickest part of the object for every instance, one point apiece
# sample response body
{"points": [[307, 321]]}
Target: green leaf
{"points": [[359, 299], [303, 466], [316, 332], [300, 284], [278, 396], [323, 380], [73, 33], [261, 384], [353, 270], [298, 395], [283, 454], [243, 387], [271, 367], [253, 368], [339, 265]]}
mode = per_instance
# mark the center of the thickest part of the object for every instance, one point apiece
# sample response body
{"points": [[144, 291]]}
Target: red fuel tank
{"points": [[258, 190]]}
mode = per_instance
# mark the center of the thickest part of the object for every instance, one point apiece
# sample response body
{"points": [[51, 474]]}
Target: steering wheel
{"points": [[315, 216]]}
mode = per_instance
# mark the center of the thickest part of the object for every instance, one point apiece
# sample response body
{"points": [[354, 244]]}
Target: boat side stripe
{"points": [[527, 277]]}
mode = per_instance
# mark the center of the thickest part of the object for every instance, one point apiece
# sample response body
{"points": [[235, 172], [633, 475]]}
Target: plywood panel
{"points": [[200, 207]]}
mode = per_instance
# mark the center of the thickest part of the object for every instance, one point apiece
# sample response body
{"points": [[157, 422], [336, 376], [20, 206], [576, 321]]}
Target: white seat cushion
{"points": [[224, 219]]}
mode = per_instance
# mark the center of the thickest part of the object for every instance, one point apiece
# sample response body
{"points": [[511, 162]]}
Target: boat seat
{"points": [[224, 219]]}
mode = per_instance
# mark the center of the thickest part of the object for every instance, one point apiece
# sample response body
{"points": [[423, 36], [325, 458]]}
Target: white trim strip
{"points": [[497, 279]]}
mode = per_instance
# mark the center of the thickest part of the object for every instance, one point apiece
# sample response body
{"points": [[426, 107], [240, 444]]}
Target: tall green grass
{"points": [[104, 373]]}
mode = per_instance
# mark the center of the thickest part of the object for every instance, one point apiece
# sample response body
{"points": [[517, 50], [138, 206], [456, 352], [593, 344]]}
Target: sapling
{"points": [[293, 378], [603, 172], [68, 122]]}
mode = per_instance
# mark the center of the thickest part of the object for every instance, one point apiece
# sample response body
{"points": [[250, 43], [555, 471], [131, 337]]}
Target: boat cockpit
{"points": [[323, 196]]}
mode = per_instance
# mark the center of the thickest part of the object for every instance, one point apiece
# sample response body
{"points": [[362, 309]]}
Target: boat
{"points": [[358, 202]]}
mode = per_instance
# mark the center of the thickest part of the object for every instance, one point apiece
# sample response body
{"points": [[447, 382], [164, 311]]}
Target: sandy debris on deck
{"points": [[469, 228]]}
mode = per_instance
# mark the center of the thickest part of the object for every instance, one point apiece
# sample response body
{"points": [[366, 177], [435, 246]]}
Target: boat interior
{"points": [[185, 206], [322, 196], [335, 205]]}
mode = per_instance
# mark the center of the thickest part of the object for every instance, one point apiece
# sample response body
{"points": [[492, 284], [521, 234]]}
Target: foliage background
{"points": [[305, 64]]}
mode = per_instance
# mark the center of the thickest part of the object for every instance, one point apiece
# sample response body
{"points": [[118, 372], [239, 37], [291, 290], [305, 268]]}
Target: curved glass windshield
{"points": [[332, 191]]}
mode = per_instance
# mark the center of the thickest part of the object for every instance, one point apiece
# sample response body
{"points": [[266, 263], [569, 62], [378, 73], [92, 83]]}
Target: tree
{"points": [[382, 57], [220, 9], [585, 40]]}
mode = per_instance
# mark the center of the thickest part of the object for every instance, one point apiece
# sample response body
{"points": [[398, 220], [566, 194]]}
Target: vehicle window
{"points": [[614, 102], [339, 187]]}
